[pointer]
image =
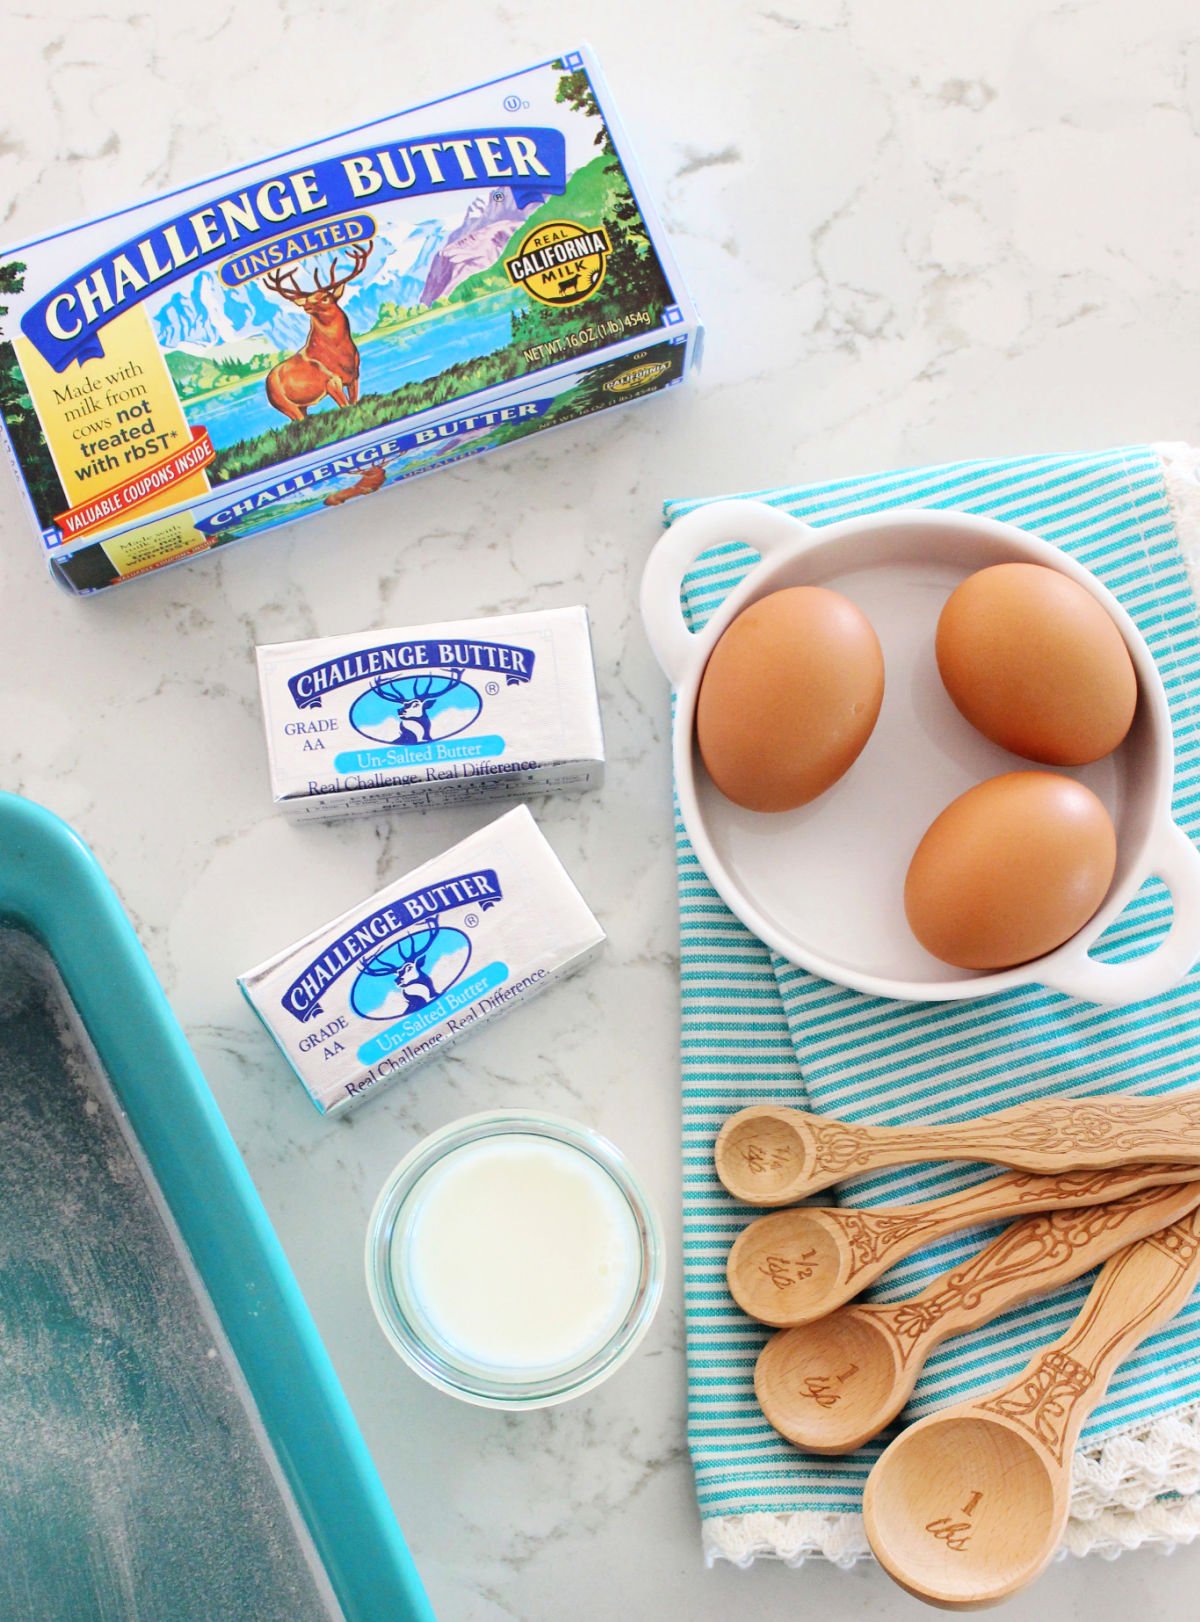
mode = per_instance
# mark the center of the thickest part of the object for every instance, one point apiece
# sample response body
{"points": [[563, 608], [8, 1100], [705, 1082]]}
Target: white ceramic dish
{"points": [[823, 886]]}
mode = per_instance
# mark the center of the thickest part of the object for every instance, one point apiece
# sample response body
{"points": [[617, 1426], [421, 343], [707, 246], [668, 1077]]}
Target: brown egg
{"points": [[789, 697], [1010, 870], [1037, 664]]}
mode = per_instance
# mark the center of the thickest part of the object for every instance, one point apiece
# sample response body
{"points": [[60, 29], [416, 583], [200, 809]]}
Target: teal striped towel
{"points": [[755, 1027]]}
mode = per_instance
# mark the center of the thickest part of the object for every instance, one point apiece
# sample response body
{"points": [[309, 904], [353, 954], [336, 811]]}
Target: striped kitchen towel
{"points": [[757, 1028]]}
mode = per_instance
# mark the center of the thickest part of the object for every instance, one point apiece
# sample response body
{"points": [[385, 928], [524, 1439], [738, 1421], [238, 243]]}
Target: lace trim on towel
{"points": [[1133, 1468], [1162, 1526], [1123, 1496], [807, 1535]]}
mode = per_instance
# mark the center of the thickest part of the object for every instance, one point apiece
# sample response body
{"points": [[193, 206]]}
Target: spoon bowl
{"points": [[823, 1385], [771, 1154], [965, 1513], [790, 1267], [832, 1384], [796, 1265], [763, 1153], [969, 1505]]}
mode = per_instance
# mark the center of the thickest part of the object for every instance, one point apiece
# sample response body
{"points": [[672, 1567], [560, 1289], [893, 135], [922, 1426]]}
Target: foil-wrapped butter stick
{"points": [[432, 714], [427, 960]]}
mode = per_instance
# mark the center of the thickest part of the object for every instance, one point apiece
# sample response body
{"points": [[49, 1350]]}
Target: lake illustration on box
{"points": [[410, 352], [402, 317], [396, 303], [402, 465], [560, 400]]}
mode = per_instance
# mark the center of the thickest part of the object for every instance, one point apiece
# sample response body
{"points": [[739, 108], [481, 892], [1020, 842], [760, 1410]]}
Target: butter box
{"points": [[306, 330], [432, 714], [424, 962]]}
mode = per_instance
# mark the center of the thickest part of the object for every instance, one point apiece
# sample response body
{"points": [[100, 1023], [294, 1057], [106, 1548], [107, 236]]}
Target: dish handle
{"points": [[1176, 861], [764, 528]]}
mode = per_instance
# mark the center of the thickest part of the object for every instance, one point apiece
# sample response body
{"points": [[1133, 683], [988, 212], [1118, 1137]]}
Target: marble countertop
{"points": [[916, 233]]}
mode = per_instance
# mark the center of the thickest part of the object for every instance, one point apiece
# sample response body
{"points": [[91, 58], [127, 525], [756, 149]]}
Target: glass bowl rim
{"points": [[415, 1347]]}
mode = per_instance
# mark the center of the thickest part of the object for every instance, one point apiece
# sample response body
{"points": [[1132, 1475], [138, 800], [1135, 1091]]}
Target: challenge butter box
{"points": [[307, 330], [386, 985], [432, 714]]}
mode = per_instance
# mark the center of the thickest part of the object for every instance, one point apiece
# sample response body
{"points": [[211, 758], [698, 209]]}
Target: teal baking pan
{"points": [[174, 1445]]}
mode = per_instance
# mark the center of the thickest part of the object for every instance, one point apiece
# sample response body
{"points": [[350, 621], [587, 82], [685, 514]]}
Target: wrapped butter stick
{"points": [[431, 958], [432, 715]]}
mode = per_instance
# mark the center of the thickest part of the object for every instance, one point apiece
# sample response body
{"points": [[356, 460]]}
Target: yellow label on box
{"points": [[165, 540], [106, 421]]}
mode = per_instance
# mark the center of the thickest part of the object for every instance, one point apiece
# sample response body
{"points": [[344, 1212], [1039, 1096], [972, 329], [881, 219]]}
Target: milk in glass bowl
{"points": [[513, 1259]]}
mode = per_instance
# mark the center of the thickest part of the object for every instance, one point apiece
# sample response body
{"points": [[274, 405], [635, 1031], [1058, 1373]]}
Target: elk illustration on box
{"points": [[410, 972], [417, 708], [412, 714], [327, 363], [368, 481]]}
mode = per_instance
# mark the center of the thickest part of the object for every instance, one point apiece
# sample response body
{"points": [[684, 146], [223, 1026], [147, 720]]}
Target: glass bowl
{"points": [[390, 1265]]}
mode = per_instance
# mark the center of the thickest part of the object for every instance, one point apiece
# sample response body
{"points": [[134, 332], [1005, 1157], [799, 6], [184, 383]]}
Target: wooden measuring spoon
{"points": [[969, 1505], [772, 1155], [793, 1266], [831, 1385]]}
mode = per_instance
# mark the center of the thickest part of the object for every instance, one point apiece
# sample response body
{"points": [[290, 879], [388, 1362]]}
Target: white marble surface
{"points": [[916, 233]]}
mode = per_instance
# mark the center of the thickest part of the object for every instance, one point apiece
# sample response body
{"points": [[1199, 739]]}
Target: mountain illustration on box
{"points": [[426, 265], [477, 243], [204, 314]]}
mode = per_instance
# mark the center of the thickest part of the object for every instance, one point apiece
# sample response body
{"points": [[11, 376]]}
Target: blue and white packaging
{"points": [[432, 714], [427, 960]]}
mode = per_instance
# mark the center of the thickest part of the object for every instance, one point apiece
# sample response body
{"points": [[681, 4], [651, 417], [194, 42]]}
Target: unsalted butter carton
{"points": [[427, 960], [432, 714], [277, 340]]}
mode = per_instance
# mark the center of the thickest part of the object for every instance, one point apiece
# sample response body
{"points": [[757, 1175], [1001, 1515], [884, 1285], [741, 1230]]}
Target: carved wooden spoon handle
{"points": [[791, 1267], [1014, 1193], [1138, 1291], [879, 1239], [1059, 1134], [828, 1388], [773, 1155], [968, 1505], [1029, 1258]]}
